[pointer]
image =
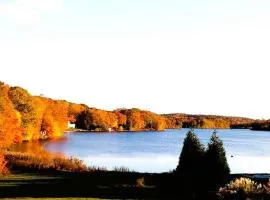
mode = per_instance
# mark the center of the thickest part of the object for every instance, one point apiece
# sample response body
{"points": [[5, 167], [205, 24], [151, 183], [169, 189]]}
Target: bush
{"points": [[245, 184], [140, 182], [44, 161], [243, 188]]}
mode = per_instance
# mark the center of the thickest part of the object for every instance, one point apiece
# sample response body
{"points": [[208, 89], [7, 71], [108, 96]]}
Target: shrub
{"points": [[140, 182], [242, 188], [245, 184], [44, 161]]}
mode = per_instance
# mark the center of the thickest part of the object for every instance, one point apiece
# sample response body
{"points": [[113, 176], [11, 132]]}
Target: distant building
{"points": [[71, 124]]}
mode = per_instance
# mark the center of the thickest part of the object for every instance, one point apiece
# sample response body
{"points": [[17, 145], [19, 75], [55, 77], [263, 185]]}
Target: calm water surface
{"points": [[247, 151]]}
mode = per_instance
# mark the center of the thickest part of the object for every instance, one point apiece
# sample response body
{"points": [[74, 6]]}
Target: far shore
{"points": [[146, 130], [113, 131]]}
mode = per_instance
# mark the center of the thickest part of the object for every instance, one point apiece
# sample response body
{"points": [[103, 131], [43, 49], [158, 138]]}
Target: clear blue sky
{"points": [[197, 56]]}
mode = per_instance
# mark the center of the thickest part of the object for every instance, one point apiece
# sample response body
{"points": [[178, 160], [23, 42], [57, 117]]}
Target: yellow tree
{"points": [[55, 119], [122, 120], [74, 110], [135, 120], [159, 123], [24, 104], [9, 119], [104, 120], [9, 124]]}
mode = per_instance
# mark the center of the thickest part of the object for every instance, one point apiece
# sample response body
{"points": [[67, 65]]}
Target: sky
{"points": [[167, 56]]}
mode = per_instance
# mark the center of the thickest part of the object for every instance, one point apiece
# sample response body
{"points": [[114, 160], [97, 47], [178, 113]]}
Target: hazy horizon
{"points": [[196, 57]]}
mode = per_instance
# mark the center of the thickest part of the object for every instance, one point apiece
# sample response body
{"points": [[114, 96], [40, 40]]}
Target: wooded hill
{"points": [[205, 121]]}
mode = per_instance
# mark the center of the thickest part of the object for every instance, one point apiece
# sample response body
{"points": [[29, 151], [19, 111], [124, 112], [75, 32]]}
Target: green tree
{"points": [[189, 169], [216, 167]]}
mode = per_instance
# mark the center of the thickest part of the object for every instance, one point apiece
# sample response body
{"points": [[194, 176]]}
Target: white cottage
{"points": [[71, 124]]}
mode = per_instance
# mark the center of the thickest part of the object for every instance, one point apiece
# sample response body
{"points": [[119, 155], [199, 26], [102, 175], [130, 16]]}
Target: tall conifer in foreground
{"points": [[216, 166], [189, 169]]}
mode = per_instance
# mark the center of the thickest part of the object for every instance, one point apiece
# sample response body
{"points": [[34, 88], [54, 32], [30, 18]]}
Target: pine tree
{"points": [[216, 167], [189, 169]]}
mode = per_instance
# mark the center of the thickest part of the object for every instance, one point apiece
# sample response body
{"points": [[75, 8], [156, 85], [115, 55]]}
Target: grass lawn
{"points": [[67, 185]]}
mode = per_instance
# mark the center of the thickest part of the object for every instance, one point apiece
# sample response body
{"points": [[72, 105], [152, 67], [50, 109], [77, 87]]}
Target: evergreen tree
{"points": [[216, 167], [189, 169]]}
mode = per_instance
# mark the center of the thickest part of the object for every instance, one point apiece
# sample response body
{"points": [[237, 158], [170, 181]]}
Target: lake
{"points": [[247, 151]]}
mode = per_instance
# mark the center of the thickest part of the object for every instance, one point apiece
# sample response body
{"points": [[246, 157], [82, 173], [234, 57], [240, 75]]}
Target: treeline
{"points": [[24, 117], [179, 120], [135, 120], [258, 125], [119, 120], [261, 126], [27, 117]]}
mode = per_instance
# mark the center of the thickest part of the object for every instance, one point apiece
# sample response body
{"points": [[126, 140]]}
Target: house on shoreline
{"points": [[71, 124]]}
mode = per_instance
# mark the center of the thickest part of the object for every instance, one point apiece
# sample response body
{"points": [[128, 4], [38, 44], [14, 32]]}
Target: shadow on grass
{"points": [[100, 184]]}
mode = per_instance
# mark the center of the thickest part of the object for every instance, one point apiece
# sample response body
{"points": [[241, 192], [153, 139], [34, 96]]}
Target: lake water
{"points": [[159, 151]]}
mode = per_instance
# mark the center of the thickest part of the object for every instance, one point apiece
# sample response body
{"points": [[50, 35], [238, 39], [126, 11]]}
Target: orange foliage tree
{"points": [[74, 110], [23, 103], [135, 120], [101, 120], [122, 120], [9, 124], [159, 123], [55, 118], [10, 130]]}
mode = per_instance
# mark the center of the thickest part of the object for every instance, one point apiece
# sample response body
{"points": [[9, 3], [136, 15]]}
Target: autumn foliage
{"points": [[9, 124], [26, 117], [179, 120], [122, 119], [10, 119]]}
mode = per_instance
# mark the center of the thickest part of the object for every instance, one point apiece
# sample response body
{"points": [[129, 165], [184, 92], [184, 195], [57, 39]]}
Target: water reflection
{"points": [[29, 147]]}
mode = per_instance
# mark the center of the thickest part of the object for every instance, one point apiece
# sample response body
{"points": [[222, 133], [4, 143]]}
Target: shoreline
{"points": [[148, 130], [123, 131]]}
